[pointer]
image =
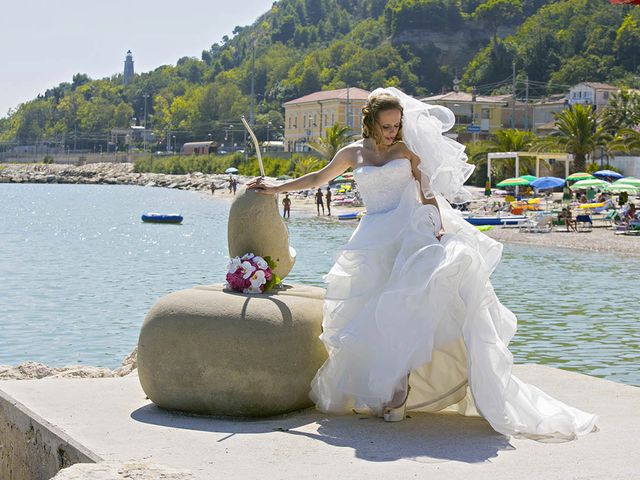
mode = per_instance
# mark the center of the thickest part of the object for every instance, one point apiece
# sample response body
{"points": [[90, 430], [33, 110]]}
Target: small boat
{"points": [[349, 216], [162, 217], [495, 220]]}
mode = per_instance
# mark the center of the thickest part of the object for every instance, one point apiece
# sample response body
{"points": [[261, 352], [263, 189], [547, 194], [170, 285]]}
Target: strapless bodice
{"points": [[382, 187]]}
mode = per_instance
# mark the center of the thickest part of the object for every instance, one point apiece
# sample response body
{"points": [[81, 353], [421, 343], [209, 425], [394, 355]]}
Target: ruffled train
{"points": [[398, 301]]}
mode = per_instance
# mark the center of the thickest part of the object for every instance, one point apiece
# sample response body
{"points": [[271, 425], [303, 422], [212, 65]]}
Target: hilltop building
{"points": [[308, 117], [128, 68]]}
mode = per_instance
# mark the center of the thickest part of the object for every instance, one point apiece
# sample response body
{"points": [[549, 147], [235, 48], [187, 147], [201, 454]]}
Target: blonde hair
{"points": [[375, 104]]}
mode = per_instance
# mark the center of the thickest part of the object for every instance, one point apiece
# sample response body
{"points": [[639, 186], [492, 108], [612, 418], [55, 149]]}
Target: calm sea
{"points": [[79, 271]]}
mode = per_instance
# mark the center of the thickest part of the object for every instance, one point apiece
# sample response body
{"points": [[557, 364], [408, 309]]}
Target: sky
{"points": [[45, 42]]}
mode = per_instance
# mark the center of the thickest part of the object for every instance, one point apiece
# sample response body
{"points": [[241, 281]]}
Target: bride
{"points": [[411, 321]]}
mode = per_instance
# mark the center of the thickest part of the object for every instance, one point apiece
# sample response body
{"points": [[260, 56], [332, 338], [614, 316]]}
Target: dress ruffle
{"points": [[398, 301]]}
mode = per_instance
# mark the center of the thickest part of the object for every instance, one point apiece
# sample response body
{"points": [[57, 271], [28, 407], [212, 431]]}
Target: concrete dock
{"points": [[110, 419]]}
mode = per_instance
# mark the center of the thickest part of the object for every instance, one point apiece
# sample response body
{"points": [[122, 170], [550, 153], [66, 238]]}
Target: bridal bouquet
{"points": [[251, 274]]}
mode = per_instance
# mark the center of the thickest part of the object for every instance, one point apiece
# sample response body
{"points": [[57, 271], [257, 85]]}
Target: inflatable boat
{"points": [[162, 217]]}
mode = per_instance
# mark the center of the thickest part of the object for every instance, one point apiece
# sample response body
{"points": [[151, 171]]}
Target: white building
{"points": [[591, 93]]}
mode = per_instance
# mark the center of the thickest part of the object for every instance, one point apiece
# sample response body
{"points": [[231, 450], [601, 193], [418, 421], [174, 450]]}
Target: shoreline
{"points": [[598, 240]]}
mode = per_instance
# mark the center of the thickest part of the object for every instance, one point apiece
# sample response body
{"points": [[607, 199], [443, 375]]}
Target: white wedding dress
{"points": [[399, 301]]}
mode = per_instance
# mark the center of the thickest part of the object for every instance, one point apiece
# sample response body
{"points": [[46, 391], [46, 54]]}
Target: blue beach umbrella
{"points": [[544, 183], [607, 174]]}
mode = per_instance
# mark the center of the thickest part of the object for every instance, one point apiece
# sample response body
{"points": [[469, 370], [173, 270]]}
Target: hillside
{"points": [[304, 45]]}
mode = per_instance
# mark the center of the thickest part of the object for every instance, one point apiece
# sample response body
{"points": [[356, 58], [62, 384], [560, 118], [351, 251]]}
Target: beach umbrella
{"points": [[544, 183], [574, 177], [231, 170], [513, 182], [628, 181], [607, 174], [529, 178], [591, 183], [621, 187]]}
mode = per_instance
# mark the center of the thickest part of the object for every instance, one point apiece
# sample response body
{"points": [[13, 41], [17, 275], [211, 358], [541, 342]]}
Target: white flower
{"points": [[260, 262], [247, 256], [234, 264], [247, 269], [257, 279], [252, 290]]}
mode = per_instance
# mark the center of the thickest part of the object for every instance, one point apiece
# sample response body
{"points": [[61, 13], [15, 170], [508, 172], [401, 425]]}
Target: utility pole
{"points": [[513, 93], [526, 105]]}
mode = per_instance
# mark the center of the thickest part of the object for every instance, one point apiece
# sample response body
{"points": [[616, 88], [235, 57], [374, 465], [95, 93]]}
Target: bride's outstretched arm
{"points": [[337, 166], [415, 161]]}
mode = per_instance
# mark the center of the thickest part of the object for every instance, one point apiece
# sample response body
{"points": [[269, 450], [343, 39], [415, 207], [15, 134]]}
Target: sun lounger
{"points": [[584, 223]]}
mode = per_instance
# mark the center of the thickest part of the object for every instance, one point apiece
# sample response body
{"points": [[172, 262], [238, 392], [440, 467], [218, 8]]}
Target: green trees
{"points": [[303, 45], [498, 12]]}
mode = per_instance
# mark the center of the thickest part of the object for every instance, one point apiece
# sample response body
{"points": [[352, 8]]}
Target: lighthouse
{"points": [[128, 68]]}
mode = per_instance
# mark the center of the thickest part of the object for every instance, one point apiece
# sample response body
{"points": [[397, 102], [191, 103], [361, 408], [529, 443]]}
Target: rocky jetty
{"points": [[109, 174], [35, 370]]}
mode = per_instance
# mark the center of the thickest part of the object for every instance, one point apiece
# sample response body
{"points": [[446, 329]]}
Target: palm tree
{"points": [[335, 137], [579, 132], [508, 140], [626, 140], [622, 111], [306, 165]]}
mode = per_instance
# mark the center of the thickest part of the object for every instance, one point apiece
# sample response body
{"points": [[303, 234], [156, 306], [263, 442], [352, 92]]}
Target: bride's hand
{"points": [[261, 186], [440, 233]]}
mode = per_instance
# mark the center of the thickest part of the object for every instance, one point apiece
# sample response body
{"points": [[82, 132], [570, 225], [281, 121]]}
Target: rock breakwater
{"points": [[109, 174]]}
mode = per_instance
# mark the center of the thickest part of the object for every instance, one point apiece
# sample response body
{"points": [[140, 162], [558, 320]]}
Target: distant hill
{"points": [[304, 45]]}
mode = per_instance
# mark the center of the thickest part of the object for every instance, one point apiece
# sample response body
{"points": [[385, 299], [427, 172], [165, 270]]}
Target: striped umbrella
{"points": [[591, 183], [621, 187], [574, 177], [628, 181], [513, 182]]}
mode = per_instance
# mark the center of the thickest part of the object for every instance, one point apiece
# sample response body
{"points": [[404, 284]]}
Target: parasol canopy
{"points": [[513, 182], [544, 183], [590, 183], [574, 177]]}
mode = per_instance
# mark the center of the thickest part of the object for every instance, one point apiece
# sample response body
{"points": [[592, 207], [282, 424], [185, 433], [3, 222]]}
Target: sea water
{"points": [[79, 271]]}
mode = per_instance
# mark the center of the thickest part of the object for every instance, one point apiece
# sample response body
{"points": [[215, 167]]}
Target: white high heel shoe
{"points": [[397, 414]]}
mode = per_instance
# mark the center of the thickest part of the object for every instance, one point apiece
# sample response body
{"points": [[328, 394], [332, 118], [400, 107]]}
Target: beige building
{"points": [[476, 113], [307, 118]]}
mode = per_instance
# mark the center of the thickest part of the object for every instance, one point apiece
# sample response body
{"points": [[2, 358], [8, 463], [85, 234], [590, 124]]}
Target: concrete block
{"points": [[210, 351]]}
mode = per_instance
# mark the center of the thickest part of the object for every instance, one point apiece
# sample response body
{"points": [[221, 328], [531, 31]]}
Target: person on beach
{"points": [[213, 188], [234, 185], [286, 204], [230, 183], [327, 198], [411, 321], [319, 201], [569, 221], [631, 213]]}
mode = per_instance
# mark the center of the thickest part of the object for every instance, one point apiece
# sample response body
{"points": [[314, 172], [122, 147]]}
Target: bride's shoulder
{"points": [[351, 151], [404, 150]]}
